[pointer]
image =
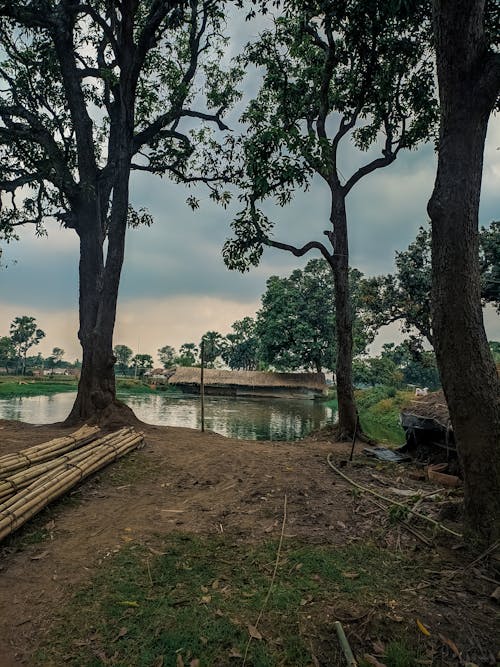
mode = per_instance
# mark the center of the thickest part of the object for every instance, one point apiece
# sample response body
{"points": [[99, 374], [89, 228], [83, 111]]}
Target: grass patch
{"points": [[379, 410], [130, 469], [126, 386], [21, 387], [40, 527], [199, 596]]}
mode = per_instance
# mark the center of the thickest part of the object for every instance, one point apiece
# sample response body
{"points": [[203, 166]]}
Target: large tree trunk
{"points": [[347, 415], [468, 374], [96, 397]]}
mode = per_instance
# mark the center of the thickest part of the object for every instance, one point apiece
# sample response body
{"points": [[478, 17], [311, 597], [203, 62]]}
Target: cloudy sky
{"points": [[175, 285]]}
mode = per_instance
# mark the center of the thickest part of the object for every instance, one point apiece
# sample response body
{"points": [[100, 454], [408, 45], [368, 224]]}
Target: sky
{"points": [[175, 286]]}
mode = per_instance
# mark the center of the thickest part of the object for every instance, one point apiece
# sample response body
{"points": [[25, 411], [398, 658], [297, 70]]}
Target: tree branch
{"points": [[298, 252]]}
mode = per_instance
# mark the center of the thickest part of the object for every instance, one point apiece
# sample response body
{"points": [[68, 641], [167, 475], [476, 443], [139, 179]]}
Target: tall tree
{"points": [[56, 357], [405, 295], [187, 355], [166, 355], [332, 72], [7, 353], [24, 334], [213, 344], [241, 348], [123, 355], [123, 91], [468, 69], [296, 323], [142, 363]]}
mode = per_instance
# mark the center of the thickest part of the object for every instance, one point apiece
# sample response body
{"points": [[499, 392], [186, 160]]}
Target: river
{"points": [[245, 418]]}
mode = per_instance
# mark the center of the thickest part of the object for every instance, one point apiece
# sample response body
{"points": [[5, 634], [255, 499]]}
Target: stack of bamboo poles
{"points": [[34, 477]]}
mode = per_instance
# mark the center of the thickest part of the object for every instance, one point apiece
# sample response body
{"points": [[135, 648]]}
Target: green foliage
{"points": [[142, 363], [213, 344], [399, 365], [47, 157], [55, 358], [379, 410], [166, 354], [123, 356], [187, 355], [11, 388], [241, 348], [296, 323], [489, 240], [330, 70], [494, 347], [24, 334], [405, 296], [7, 352]]}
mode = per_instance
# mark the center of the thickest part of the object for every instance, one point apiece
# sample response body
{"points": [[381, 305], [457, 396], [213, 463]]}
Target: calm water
{"points": [[250, 419]]}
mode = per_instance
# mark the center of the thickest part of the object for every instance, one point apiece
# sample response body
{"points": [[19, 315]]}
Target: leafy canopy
{"points": [[405, 296], [61, 142], [356, 69], [296, 324]]}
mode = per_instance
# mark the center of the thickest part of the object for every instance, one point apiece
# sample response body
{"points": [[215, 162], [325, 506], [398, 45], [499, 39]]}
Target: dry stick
{"points": [[351, 660], [389, 500], [405, 525], [278, 555]]}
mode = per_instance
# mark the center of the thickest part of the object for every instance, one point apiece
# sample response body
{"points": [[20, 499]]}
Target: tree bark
{"points": [[466, 366], [96, 398], [339, 262]]}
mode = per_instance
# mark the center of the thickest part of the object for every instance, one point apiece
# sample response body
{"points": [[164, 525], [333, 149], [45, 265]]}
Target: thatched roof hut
{"points": [[303, 385], [432, 407]]}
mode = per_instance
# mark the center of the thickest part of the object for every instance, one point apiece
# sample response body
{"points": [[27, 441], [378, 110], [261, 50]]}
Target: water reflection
{"points": [[244, 418]]}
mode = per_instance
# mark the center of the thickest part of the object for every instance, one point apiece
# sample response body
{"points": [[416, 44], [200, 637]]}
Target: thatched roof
{"points": [[432, 406], [314, 381]]}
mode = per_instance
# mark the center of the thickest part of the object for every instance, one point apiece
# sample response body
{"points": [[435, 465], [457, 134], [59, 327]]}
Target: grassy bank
{"points": [[17, 386], [196, 599], [379, 409]]}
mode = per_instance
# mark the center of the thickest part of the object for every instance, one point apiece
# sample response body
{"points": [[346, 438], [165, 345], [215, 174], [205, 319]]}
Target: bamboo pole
{"points": [[22, 478], [26, 457], [202, 385], [108, 448], [52, 485], [346, 649]]}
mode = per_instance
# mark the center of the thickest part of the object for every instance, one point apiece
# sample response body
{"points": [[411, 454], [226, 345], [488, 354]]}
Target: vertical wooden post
{"points": [[202, 386]]}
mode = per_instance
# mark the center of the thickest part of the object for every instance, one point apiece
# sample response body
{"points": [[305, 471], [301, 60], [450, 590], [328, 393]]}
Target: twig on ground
{"points": [[278, 555], [389, 500], [491, 549]]}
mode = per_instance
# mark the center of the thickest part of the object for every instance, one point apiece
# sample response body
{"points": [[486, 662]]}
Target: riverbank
{"points": [[167, 557], [379, 407], [12, 386]]}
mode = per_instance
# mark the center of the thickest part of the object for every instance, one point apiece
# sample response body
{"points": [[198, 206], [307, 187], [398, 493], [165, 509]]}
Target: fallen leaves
{"points": [[121, 633], [253, 632], [451, 645], [422, 628]]}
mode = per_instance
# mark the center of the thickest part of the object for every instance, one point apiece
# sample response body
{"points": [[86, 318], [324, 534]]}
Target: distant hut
{"points": [[250, 383]]}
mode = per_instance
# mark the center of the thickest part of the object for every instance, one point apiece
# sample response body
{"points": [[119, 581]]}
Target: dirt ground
{"points": [[204, 483]]}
